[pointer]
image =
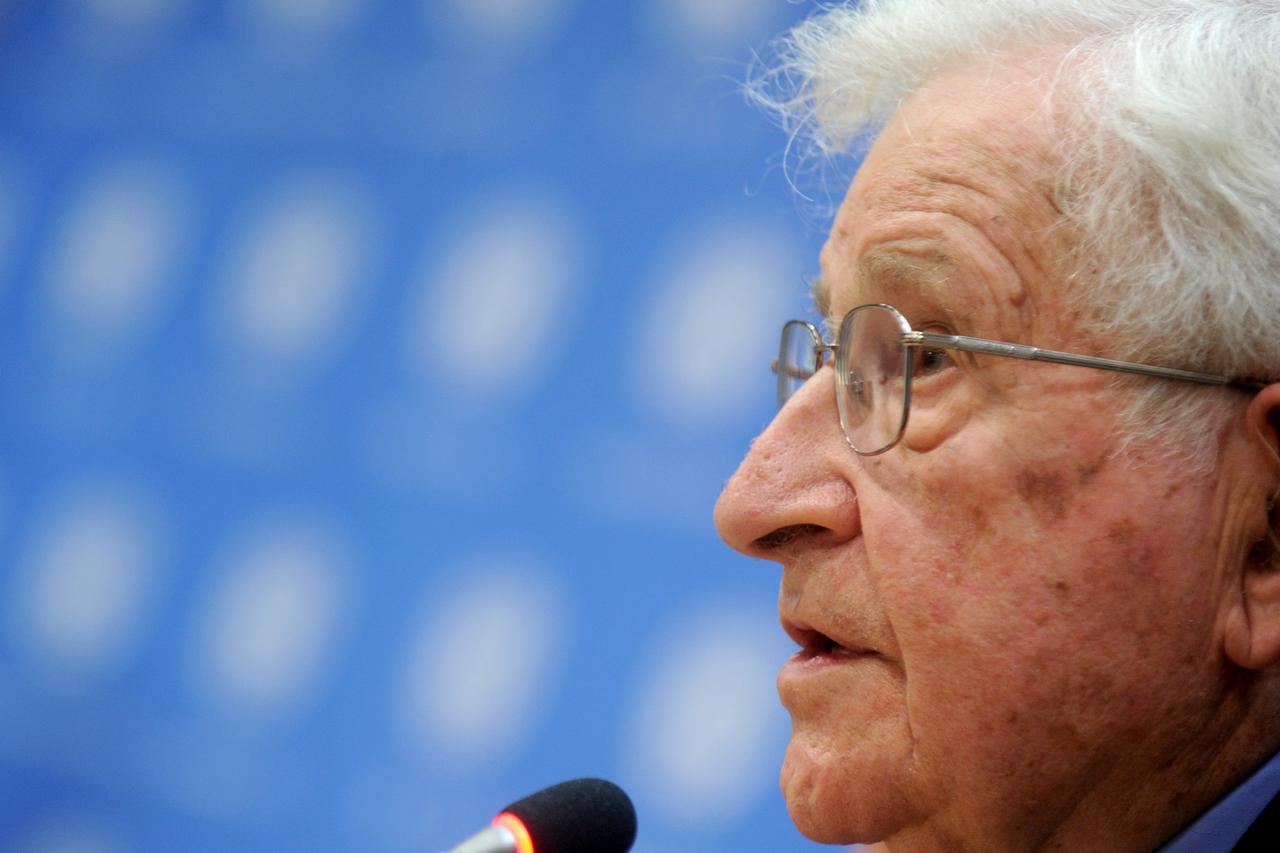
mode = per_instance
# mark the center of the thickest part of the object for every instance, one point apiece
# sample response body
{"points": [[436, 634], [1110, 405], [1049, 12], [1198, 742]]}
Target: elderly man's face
{"points": [[1001, 622]]}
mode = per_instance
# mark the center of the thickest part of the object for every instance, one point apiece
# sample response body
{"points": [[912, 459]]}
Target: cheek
{"points": [[1033, 619]]}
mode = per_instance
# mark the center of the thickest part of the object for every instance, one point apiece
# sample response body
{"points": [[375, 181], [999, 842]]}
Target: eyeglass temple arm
{"points": [[795, 372], [1000, 348], [792, 372]]}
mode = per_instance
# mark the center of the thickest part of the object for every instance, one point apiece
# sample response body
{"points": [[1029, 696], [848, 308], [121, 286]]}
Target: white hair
{"points": [[1169, 114]]}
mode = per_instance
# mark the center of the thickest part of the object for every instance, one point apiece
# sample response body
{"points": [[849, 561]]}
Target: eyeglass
{"points": [[875, 357]]}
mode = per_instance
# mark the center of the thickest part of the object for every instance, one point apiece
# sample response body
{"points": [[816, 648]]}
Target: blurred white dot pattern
{"points": [[703, 353], [89, 574], [296, 277], [480, 666], [501, 25], [110, 29], [703, 743], [300, 17], [111, 267], [497, 306], [271, 620], [341, 343], [13, 194], [730, 25], [69, 835], [6, 506], [131, 14]]}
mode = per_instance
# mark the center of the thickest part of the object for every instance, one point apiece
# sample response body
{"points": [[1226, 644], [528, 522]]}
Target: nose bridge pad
{"points": [[829, 360]]}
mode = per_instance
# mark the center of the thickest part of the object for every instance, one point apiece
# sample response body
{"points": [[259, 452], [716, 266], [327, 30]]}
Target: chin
{"points": [[830, 804]]}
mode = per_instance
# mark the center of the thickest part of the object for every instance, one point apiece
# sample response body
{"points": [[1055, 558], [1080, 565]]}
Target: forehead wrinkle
{"points": [[999, 180], [973, 199], [945, 181]]}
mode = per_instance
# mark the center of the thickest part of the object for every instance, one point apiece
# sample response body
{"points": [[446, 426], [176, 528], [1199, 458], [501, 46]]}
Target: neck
{"points": [[1138, 798], [1179, 775]]}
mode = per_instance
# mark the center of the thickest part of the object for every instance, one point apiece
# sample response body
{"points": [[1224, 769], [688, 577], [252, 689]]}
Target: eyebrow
{"points": [[820, 292], [928, 273]]}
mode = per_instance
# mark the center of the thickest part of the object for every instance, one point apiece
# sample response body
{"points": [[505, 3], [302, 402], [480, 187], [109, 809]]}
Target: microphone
{"points": [[579, 816]]}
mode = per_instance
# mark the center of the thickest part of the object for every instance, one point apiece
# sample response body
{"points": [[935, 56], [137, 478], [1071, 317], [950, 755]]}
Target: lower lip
{"points": [[806, 662]]}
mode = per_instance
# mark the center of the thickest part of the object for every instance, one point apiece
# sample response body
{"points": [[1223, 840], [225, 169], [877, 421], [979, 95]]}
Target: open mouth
{"points": [[815, 644]]}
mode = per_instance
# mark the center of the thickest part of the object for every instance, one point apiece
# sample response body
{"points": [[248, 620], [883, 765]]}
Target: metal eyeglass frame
{"points": [[911, 340]]}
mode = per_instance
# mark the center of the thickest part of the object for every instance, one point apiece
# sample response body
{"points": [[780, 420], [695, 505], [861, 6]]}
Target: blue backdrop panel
{"points": [[368, 371]]}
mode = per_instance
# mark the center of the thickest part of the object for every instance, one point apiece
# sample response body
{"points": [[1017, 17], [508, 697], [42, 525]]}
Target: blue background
{"points": [[368, 371]]}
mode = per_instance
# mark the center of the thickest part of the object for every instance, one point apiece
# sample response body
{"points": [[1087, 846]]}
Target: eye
{"points": [[931, 361]]}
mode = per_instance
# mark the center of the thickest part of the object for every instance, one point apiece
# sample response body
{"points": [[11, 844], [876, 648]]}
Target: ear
{"points": [[1252, 634]]}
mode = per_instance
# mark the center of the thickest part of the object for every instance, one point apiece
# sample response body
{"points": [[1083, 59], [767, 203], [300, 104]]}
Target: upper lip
{"points": [[811, 639]]}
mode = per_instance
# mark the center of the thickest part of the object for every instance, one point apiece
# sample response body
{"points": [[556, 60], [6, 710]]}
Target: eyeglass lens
{"points": [[872, 368], [872, 372], [797, 360]]}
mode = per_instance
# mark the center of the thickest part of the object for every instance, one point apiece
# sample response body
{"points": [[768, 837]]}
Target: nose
{"points": [[794, 489]]}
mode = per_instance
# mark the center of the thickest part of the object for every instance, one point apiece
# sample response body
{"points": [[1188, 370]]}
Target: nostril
{"points": [[786, 535]]}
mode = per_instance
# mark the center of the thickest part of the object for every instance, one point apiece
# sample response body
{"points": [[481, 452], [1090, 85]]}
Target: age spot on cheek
{"points": [[976, 518], [1047, 491], [1135, 554], [1123, 533], [1088, 472]]}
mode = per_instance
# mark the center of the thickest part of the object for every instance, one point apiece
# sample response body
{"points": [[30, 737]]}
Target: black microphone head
{"points": [[579, 816]]}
